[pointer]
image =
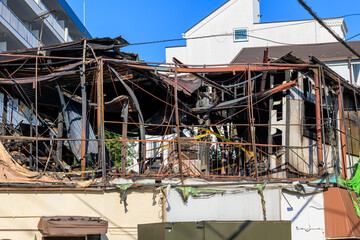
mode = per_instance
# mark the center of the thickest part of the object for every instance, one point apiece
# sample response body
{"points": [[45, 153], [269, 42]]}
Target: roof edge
{"points": [[74, 17], [222, 5]]}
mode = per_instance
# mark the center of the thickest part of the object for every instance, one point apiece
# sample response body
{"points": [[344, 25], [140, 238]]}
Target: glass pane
{"points": [[240, 34]]}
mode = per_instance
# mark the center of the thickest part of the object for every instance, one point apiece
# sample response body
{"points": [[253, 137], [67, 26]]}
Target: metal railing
{"points": [[17, 25]]}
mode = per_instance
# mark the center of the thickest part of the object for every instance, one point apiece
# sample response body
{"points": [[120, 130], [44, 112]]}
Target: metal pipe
{"points": [[59, 144], [355, 97], [342, 134], [31, 135], [216, 69], [178, 123], [251, 122], [98, 112], [270, 139], [170, 141], [263, 79], [331, 133], [83, 109], [4, 115], [350, 70], [36, 116], [124, 135], [345, 127], [102, 127], [318, 123], [325, 153], [210, 125], [287, 120], [142, 136]]}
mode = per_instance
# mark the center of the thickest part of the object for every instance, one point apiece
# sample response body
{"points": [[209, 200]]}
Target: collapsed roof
{"points": [[85, 109]]}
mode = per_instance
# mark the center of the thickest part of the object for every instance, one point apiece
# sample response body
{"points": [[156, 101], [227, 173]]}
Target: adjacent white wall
{"points": [[239, 206], [305, 211], [342, 68], [223, 21]]}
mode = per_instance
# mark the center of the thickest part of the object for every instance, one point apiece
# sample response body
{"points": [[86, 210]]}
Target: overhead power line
{"points": [[353, 37], [183, 39], [226, 34], [321, 22]]}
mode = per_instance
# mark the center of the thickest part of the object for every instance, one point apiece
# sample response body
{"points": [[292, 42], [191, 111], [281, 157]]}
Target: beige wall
{"points": [[20, 211]]}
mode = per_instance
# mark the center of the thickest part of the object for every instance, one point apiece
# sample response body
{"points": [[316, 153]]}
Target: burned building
{"points": [[85, 116]]}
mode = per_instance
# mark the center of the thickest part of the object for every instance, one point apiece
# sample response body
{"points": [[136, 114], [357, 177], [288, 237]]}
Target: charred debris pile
{"points": [[86, 110]]}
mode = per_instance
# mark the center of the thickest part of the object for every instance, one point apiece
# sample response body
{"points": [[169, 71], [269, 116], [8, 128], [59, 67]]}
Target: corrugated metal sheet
{"points": [[341, 220], [72, 117], [74, 112]]}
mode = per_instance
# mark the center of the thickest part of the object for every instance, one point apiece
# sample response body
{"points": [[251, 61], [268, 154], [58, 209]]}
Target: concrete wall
{"points": [[306, 213], [222, 49], [242, 204], [20, 211]]}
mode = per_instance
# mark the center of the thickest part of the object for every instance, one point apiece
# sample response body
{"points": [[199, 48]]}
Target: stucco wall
{"points": [[20, 211]]}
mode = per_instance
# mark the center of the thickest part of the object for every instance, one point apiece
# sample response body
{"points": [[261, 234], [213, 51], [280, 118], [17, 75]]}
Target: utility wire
{"points": [[321, 22], [218, 35], [172, 40], [350, 15], [353, 37]]}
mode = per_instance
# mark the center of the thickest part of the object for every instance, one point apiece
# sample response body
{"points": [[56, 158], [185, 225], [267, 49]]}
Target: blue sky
{"points": [[152, 20]]}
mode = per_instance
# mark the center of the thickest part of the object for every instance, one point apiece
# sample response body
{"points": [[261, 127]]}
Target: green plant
{"points": [[114, 149]]}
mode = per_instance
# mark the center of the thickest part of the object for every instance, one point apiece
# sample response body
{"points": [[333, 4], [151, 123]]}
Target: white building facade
{"points": [[21, 23], [20, 27], [236, 24]]}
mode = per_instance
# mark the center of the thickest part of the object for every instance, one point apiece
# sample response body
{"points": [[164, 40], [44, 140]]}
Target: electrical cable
{"points": [[353, 37]]}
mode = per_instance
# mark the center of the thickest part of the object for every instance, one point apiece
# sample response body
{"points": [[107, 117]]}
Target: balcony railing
{"points": [[51, 20], [17, 25]]}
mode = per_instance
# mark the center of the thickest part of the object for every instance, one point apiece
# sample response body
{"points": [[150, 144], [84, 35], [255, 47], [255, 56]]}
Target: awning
{"points": [[341, 220], [72, 226]]}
